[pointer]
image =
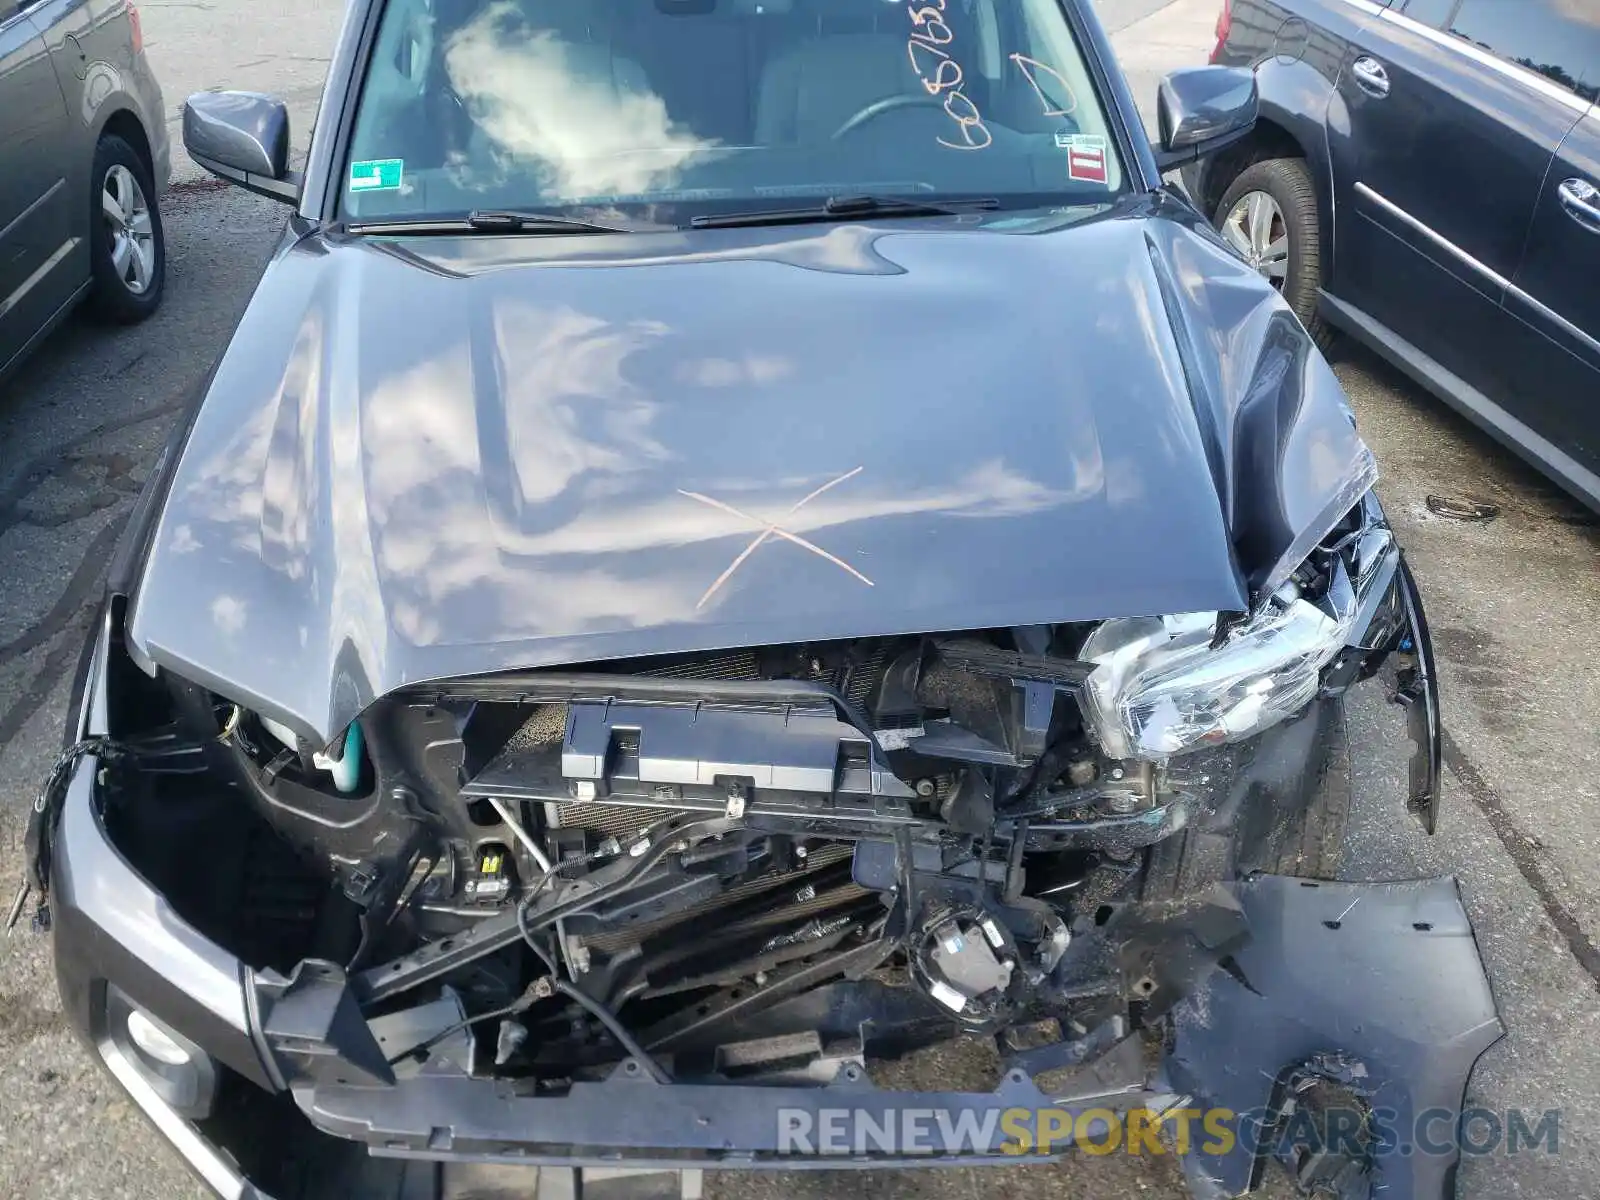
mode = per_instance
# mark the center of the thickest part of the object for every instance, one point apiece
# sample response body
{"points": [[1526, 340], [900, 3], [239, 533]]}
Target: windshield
{"points": [[662, 110]]}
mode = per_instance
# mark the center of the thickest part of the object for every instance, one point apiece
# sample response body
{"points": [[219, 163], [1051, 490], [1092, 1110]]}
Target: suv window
{"points": [[1559, 39]]}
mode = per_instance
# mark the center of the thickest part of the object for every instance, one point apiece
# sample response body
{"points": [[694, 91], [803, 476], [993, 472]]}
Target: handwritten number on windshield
{"points": [[946, 77], [968, 122], [926, 39], [930, 28], [930, 36], [1028, 67]]}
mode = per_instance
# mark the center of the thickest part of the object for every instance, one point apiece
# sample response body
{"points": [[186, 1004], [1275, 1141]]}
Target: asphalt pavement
{"points": [[1514, 601]]}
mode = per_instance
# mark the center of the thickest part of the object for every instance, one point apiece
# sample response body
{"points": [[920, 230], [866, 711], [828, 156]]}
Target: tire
{"points": [[1314, 843], [1227, 845], [128, 262], [1288, 182]]}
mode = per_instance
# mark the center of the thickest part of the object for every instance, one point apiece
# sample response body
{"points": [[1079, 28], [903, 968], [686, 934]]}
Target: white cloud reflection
{"points": [[229, 614], [746, 370], [569, 412], [558, 109]]}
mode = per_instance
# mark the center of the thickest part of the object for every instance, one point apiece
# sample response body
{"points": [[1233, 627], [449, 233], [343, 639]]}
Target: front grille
{"points": [[736, 664], [855, 680], [861, 681]]}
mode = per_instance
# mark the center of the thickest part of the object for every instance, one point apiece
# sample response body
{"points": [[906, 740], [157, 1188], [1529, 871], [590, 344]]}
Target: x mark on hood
{"points": [[771, 529]]}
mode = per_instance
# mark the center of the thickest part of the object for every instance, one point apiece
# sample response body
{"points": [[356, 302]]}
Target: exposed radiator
{"points": [[614, 820]]}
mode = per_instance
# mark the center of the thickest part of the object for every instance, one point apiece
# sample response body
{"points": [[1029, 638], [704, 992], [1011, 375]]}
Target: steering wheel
{"points": [[888, 104]]}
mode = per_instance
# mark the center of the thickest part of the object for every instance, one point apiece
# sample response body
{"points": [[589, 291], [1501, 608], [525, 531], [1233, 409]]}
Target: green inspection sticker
{"points": [[376, 175]]}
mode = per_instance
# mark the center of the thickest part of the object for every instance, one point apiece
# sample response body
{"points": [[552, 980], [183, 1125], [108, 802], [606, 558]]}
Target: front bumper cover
{"points": [[1382, 979], [110, 927]]}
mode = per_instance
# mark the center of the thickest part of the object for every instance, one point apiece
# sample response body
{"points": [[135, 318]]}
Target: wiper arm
{"points": [[488, 221], [841, 207]]}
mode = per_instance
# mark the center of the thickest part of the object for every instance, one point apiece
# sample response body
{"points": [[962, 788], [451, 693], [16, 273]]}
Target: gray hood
{"points": [[466, 455]]}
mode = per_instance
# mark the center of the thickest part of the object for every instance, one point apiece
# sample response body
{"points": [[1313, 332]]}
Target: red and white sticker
{"points": [[1086, 159]]}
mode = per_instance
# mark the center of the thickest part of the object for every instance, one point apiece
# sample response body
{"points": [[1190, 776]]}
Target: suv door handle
{"points": [[1370, 76], [1581, 199]]}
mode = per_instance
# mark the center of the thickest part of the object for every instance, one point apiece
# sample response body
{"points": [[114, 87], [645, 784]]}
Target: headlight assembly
{"points": [[1162, 688]]}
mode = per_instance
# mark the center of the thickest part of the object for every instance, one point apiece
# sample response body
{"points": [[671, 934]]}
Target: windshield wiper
{"points": [[839, 207], [488, 221]]}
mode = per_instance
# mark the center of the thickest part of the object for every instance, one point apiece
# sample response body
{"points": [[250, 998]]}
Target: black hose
{"points": [[534, 943], [423, 1047], [521, 1004], [595, 1009], [605, 1016]]}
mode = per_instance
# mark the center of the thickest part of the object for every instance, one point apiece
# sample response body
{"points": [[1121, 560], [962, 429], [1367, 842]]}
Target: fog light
{"points": [[155, 1041], [166, 1062]]}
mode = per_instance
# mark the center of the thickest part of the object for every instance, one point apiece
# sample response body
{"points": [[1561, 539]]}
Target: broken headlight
{"points": [[1164, 685]]}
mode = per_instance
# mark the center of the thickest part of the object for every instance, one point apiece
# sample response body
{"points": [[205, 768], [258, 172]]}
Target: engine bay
{"points": [[654, 857], [685, 845]]}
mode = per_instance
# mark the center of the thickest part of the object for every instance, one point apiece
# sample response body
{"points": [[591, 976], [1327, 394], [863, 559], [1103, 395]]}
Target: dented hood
{"points": [[436, 457]]}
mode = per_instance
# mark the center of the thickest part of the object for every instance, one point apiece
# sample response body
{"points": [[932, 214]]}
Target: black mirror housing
{"points": [[1203, 109]]}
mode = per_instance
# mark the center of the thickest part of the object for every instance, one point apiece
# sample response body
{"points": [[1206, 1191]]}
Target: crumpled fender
{"points": [[1376, 989], [1278, 431]]}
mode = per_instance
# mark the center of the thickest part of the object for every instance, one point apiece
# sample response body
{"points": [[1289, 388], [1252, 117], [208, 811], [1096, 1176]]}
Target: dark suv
{"points": [[1426, 178]]}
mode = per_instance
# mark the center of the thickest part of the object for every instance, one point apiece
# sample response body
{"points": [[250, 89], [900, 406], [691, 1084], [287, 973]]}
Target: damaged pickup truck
{"points": [[735, 542]]}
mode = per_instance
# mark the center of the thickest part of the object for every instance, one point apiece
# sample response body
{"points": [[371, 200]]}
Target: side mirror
{"points": [[242, 137], [1203, 109]]}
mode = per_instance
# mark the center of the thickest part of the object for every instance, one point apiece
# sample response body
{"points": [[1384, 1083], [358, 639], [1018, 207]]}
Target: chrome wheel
{"points": [[129, 230], [1256, 229]]}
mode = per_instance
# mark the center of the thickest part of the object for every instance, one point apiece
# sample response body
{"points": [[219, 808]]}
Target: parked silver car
{"points": [[83, 159]]}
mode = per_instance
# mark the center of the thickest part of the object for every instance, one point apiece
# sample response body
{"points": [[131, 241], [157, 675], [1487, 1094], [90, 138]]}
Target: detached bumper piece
{"points": [[1350, 1021], [1358, 1009]]}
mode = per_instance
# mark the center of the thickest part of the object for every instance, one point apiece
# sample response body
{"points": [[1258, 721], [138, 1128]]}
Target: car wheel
{"points": [[1269, 217], [128, 251], [1309, 844], [1313, 844]]}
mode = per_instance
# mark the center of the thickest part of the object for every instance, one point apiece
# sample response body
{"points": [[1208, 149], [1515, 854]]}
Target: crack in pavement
{"points": [[74, 607], [73, 597], [72, 613], [1521, 849], [38, 689], [88, 495], [49, 462]]}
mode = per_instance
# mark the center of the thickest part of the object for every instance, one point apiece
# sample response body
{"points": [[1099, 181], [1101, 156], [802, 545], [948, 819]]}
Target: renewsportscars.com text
{"points": [[1139, 1131]]}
